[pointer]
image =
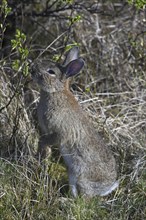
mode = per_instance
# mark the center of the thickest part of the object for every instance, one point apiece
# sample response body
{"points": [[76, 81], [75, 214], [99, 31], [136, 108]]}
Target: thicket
{"points": [[111, 36]]}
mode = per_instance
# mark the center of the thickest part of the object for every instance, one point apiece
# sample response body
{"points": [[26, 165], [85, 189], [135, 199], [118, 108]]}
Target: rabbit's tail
{"points": [[108, 189]]}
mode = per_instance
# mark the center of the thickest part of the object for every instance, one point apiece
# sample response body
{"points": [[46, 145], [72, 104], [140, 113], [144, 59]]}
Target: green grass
{"points": [[28, 191]]}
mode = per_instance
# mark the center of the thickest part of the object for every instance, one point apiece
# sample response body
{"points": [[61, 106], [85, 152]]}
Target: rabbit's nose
{"points": [[33, 71], [33, 67]]}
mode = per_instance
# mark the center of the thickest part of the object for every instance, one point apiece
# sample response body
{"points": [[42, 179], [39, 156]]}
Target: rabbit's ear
{"points": [[72, 54], [74, 67]]}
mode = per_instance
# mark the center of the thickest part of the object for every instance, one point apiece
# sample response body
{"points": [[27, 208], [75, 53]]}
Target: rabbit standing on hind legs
{"points": [[90, 164]]}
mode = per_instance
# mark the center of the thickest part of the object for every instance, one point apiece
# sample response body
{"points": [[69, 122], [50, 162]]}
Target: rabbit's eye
{"points": [[51, 72]]}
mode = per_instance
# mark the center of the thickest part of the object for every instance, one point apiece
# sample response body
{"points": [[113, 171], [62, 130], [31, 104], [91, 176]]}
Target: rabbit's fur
{"points": [[91, 165]]}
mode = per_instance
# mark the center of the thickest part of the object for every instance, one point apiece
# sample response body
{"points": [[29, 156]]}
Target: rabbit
{"points": [[90, 164]]}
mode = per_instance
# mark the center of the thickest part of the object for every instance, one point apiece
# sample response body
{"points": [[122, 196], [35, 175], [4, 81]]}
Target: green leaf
{"points": [[16, 64]]}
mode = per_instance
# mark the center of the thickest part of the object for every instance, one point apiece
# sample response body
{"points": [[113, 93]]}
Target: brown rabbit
{"points": [[91, 165]]}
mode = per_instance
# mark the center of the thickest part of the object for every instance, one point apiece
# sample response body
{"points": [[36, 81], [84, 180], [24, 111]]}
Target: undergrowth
{"points": [[28, 191]]}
